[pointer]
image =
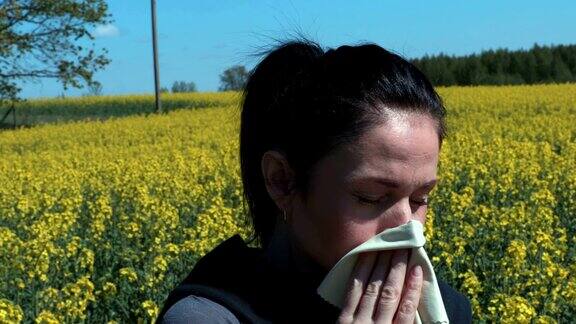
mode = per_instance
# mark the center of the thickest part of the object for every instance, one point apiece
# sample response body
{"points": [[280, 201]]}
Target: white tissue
{"points": [[410, 235]]}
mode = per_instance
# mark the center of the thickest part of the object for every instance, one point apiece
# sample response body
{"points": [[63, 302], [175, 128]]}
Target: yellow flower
{"points": [[47, 317], [517, 250], [150, 309], [10, 313], [109, 289], [129, 274], [471, 285]]}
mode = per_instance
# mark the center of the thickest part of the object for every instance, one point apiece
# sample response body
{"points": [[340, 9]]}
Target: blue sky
{"points": [[199, 39]]}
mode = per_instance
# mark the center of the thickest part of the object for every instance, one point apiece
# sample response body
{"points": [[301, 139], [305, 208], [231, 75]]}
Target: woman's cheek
{"points": [[347, 238], [345, 224]]}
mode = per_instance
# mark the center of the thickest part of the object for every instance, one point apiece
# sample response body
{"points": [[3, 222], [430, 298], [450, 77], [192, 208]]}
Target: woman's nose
{"points": [[400, 213]]}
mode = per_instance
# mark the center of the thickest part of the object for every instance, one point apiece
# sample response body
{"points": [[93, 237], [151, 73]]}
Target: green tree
{"points": [[560, 70], [42, 39], [182, 86], [539, 64], [94, 89], [233, 78]]}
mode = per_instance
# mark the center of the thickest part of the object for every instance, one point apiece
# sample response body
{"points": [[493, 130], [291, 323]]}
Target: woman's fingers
{"points": [[409, 304], [360, 276], [392, 289], [381, 291], [365, 310]]}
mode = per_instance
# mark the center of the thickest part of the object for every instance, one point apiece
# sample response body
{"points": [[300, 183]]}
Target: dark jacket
{"points": [[255, 290]]}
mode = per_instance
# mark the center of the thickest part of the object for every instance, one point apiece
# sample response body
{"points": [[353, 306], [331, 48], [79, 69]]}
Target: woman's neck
{"points": [[285, 253]]}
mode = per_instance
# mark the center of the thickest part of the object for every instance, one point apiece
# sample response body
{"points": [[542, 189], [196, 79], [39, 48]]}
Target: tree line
{"points": [[232, 79], [540, 64]]}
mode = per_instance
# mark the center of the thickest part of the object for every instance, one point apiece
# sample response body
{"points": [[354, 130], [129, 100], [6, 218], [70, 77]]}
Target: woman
{"points": [[335, 147]]}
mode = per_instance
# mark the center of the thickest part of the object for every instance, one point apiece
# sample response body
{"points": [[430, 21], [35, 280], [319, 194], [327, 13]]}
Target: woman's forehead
{"points": [[405, 137], [402, 146]]}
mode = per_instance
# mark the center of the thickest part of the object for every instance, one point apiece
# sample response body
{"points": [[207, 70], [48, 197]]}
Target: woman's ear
{"points": [[278, 177]]}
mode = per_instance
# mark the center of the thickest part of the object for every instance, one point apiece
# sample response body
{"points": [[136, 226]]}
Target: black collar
{"points": [[286, 256]]}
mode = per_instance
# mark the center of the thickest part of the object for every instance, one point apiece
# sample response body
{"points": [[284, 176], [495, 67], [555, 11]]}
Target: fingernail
{"points": [[417, 271]]}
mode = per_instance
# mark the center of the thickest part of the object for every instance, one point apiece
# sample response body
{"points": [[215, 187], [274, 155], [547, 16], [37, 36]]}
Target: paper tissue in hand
{"points": [[407, 236]]}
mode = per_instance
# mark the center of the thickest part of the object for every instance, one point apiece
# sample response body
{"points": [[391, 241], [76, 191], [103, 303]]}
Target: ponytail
{"points": [[268, 83]]}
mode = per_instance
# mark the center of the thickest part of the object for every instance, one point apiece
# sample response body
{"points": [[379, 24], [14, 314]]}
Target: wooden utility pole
{"points": [[155, 50]]}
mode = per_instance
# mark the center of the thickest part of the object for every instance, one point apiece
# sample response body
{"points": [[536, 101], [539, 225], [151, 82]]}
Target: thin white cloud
{"points": [[107, 30]]}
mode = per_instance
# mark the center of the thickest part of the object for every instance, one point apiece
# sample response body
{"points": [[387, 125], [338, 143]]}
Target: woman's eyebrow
{"points": [[394, 184], [383, 181]]}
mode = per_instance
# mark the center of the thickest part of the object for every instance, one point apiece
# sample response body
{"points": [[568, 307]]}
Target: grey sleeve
{"points": [[195, 309]]}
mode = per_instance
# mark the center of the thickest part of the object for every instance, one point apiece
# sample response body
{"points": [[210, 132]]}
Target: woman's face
{"points": [[380, 182]]}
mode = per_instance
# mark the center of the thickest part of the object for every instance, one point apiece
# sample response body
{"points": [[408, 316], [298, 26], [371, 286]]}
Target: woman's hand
{"points": [[381, 296]]}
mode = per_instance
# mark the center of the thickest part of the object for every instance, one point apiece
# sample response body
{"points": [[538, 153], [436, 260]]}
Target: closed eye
{"points": [[368, 201], [421, 201]]}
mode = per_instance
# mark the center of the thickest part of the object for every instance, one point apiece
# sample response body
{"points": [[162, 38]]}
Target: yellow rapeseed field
{"points": [[53, 110], [100, 220]]}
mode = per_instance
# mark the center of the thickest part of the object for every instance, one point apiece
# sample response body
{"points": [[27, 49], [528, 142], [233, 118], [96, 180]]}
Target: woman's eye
{"points": [[367, 200], [422, 201]]}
